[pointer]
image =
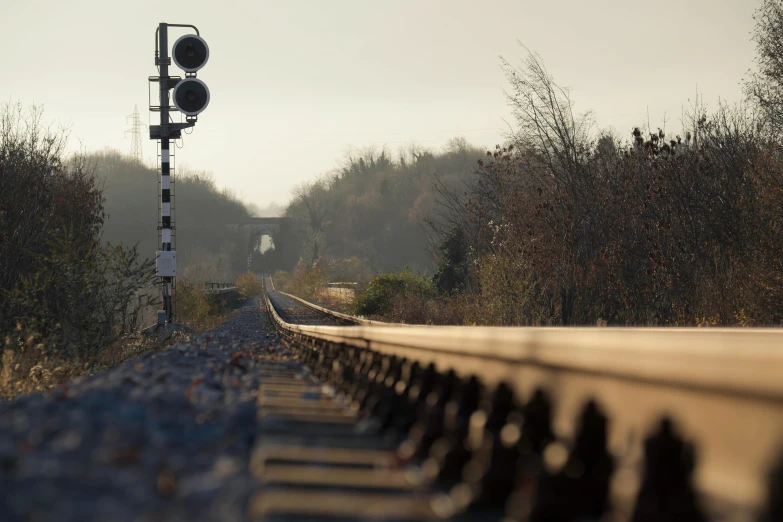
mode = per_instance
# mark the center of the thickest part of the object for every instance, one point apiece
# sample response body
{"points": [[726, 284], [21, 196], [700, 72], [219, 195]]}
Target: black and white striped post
{"points": [[191, 96], [167, 253], [165, 195], [164, 258]]}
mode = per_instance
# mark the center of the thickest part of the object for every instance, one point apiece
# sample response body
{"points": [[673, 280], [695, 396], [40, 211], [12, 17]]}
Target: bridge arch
{"points": [[278, 229]]}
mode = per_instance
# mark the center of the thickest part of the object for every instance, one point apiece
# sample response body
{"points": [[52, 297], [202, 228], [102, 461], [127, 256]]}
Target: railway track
{"points": [[263, 419], [312, 313], [539, 424]]}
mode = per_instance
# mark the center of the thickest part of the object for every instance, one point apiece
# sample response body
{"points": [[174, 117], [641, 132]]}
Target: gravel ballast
{"points": [[166, 436]]}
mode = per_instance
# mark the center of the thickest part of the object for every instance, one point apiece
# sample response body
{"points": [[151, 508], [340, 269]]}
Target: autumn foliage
{"points": [[562, 227]]}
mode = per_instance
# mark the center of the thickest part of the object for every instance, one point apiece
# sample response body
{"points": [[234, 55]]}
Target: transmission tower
{"points": [[135, 131]]}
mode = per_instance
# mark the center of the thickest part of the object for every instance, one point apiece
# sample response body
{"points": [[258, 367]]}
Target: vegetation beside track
{"points": [[567, 224]]}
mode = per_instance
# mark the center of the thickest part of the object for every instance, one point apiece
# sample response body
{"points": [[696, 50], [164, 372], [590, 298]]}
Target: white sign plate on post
{"points": [[166, 263]]}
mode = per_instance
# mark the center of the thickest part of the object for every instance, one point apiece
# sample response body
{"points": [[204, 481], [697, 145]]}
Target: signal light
{"points": [[190, 53], [191, 96]]}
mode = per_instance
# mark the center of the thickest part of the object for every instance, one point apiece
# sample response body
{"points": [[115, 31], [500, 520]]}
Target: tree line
{"points": [[566, 225], [201, 211], [375, 204]]}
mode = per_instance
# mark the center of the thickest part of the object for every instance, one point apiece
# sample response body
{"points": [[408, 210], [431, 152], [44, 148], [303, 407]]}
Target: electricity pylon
{"points": [[135, 130]]}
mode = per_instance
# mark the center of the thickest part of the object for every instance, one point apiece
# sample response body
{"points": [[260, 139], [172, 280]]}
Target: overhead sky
{"points": [[295, 84]]}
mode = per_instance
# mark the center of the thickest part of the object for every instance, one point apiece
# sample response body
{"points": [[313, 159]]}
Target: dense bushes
{"points": [[41, 195], [248, 285], [196, 308], [566, 226], [561, 227], [63, 291], [306, 281], [391, 296], [66, 297], [73, 304]]}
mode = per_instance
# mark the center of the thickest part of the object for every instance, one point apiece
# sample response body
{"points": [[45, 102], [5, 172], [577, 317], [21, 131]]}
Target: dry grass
{"points": [[31, 371], [339, 299], [339, 302], [248, 285]]}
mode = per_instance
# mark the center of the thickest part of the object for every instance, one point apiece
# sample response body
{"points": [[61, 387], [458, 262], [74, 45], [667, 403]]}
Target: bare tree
{"points": [[545, 118], [314, 198], [764, 87]]}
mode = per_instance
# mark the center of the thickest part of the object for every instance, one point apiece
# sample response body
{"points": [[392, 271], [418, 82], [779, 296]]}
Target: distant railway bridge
{"points": [[279, 231]]}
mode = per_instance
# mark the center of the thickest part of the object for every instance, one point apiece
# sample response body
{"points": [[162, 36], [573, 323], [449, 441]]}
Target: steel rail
{"points": [[332, 313], [338, 315], [723, 387]]}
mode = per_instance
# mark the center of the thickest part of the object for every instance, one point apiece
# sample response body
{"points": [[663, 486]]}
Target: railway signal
{"points": [[190, 53], [190, 97]]}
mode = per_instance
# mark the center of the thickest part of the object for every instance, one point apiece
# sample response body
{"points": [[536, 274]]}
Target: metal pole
{"points": [[165, 165]]}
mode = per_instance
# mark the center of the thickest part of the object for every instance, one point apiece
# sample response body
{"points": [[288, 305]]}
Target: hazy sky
{"points": [[294, 84]]}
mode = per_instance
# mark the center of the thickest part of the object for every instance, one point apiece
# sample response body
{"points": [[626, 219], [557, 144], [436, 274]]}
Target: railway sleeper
{"points": [[447, 447]]}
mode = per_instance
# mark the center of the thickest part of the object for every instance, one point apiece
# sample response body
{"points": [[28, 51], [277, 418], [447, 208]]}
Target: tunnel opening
{"points": [[265, 257], [269, 243]]}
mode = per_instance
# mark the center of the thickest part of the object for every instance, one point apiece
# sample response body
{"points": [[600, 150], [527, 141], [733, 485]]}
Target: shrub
{"points": [[74, 303], [63, 290], [572, 228], [386, 290], [505, 293], [66, 298], [308, 281], [43, 198], [453, 273], [351, 269], [282, 280], [196, 308], [248, 285]]}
